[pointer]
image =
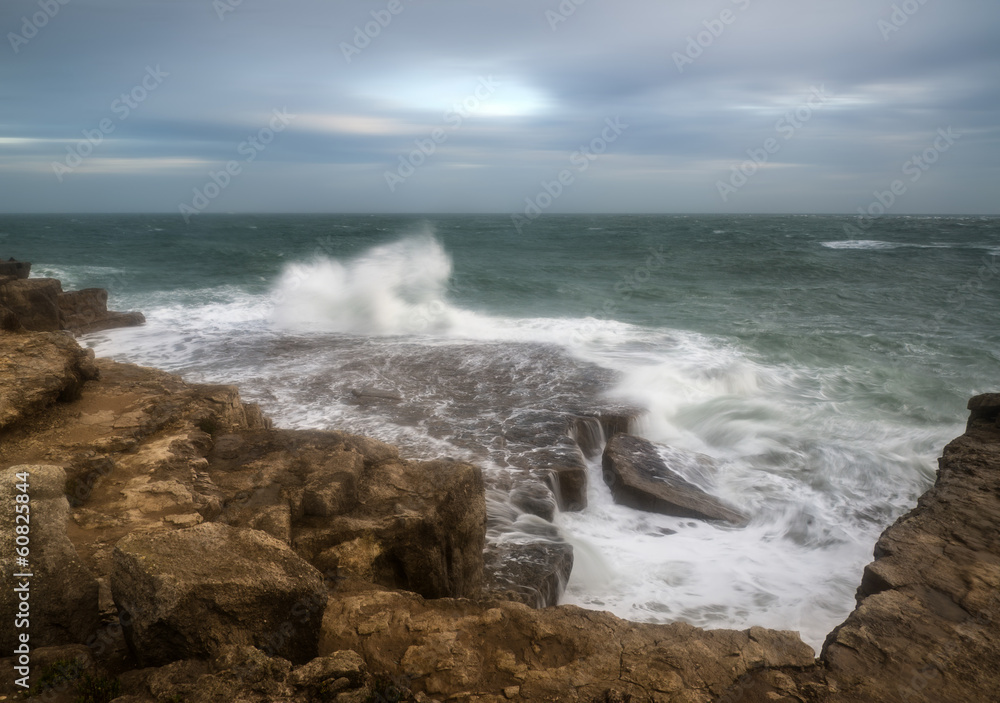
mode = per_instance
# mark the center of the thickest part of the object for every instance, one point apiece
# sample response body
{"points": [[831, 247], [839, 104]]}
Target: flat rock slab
{"points": [[639, 478], [185, 594]]}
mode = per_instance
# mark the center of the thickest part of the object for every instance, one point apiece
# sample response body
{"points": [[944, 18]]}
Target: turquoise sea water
{"points": [[824, 370]]}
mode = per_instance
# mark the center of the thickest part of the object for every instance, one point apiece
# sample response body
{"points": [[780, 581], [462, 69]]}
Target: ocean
{"points": [[823, 363]]}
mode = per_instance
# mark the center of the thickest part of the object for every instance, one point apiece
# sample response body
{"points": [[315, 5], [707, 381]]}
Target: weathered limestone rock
{"points": [[40, 305], [639, 478], [416, 526], [446, 647], [35, 302], [37, 370], [86, 310], [186, 593], [63, 594], [245, 674], [15, 269]]}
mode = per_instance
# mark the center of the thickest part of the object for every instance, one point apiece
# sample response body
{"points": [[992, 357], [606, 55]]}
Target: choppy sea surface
{"points": [[823, 371]]}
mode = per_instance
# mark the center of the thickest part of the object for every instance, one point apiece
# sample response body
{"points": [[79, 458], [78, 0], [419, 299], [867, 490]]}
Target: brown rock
{"points": [[446, 647], [37, 370], [186, 593], [15, 269], [416, 526], [62, 604], [639, 478], [35, 302]]}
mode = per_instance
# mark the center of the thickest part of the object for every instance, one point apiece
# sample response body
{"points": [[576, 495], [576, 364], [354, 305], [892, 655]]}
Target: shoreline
{"points": [[147, 456]]}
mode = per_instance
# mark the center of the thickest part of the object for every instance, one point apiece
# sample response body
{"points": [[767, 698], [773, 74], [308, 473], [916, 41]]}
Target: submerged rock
{"points": [[639, 478]]}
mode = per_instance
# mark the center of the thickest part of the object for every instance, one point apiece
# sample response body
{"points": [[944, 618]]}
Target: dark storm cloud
{"points": [[380, 88]]}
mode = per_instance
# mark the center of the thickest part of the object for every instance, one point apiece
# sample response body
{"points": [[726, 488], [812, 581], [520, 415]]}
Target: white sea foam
{"points": [[877, 244]]}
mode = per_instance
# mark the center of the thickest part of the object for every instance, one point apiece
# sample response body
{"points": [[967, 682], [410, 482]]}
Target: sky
{"points": [[511, 106]]}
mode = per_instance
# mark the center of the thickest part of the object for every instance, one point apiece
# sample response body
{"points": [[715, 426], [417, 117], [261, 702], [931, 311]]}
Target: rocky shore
{"points": [[183, 549]]}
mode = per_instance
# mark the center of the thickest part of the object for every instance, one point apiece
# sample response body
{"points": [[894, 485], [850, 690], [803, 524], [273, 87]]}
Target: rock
{"points": [[345, 664], [62, 604], [236, 673], [533, 573], [984, 408], [536, 499], [591, 433], [378, 393], [9, 321], [184, 594], [54, 670], [37, 370], [639, 478], [40, 305], [417, 526], [16, 269], [34, 301], [445, 647]]}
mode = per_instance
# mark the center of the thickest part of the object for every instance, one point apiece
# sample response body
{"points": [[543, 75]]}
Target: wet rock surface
{"points": [[639, 478]]}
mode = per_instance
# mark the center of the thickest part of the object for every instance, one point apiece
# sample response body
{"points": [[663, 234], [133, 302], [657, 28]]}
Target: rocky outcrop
{"points": [[15, 269], [639, 478], [34, 301], [86, 310], [184, 594], [502, 650], [40, 305], [38, 370], [58, 594], [350, 505], [145, 451], [244, 673]]}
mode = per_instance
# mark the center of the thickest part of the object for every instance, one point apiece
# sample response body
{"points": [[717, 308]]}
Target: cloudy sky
{"points": [[461, 106]]}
